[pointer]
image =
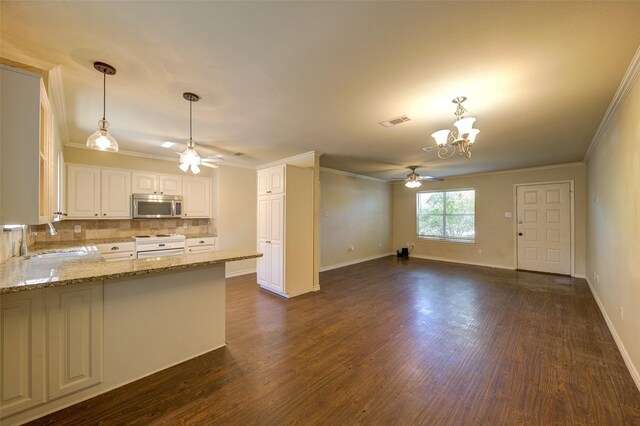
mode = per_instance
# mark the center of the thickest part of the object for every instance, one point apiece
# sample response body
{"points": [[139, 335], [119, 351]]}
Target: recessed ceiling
{"points": [[278, 79]]}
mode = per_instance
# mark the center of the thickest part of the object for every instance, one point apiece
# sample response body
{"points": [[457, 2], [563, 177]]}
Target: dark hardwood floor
{"points": [[394, 342]]}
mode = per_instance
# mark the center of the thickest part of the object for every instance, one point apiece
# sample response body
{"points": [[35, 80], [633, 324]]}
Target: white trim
{"points": [[239, 273], [627, 83], [309, 156], [573, 220], [340, 172], [623, 351], [16, 56], [352, 262], [57, 96], [464, 262]]}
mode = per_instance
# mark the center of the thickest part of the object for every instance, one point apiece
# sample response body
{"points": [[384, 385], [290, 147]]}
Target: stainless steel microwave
{"points": [[156, 206]]}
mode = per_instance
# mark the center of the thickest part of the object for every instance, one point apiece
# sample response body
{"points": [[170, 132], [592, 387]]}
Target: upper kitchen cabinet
{"points": [[196, 194], [154, 183], [98, 193], [271, 180], [27, 149]]}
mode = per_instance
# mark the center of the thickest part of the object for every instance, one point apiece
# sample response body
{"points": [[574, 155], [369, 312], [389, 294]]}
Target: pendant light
{"points": [[102, 139], [449, 142], [190, 157]]}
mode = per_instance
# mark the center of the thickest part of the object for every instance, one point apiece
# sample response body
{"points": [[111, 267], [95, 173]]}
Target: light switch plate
{"points": [[77, 229], [507, 214]]}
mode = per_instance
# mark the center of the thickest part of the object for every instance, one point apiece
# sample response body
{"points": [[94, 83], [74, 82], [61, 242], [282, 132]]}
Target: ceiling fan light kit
{"points": [[101, 139], [413, 179], [190, 157], [460, 140]]}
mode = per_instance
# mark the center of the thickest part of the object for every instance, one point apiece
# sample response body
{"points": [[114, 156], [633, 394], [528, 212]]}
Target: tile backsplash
{"points": [[10, 243], [99, 229]]}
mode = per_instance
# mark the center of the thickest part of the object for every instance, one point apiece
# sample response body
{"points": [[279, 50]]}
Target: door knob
{"points": [[520, 233]]}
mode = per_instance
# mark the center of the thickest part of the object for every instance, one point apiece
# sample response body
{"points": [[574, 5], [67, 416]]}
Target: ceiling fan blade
{"points": [[432, 178], [212, 166]]}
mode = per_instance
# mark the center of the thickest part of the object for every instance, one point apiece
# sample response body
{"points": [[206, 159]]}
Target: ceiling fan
{"points": [[413, 179]]}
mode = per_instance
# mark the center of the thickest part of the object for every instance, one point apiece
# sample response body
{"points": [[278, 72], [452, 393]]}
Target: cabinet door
{"points": [[22, 350], [83, 192], [263, 182], [276, 180], [276, 266], [263, 218], [196, 197], [276, 219], [74, 316], [144, 183], [263, 264], [170, 185], [115, 194]]}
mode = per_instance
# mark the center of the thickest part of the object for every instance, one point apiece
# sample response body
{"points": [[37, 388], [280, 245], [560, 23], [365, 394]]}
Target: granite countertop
{"points": [[20, 273]]}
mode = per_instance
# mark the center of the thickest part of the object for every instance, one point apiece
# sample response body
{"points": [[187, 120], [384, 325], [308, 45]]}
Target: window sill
{"points": [[443, 240]]}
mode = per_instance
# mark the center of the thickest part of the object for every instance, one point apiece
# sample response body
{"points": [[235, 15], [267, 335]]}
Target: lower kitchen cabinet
{"points": [[53, 336], [74, 323], [23, 339]]}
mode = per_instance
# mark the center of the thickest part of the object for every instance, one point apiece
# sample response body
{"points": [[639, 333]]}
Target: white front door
{"points": [[544, 227]]}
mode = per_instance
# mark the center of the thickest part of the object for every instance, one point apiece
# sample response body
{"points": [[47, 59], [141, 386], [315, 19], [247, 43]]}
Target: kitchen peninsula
{"points": [[75, 326]]}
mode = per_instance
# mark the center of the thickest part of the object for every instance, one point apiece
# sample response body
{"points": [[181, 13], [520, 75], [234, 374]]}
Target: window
{"points": [[447, 215]]}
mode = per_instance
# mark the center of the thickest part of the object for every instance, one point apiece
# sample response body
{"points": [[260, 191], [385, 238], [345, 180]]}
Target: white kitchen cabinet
{"points": [[22, 351], [117, 251], [83, 192], [74, 323], [26, 142], [200, 245], [271, 180], [115, 194], [196, 197], [285, 234], [154, 183], [98, 193]]}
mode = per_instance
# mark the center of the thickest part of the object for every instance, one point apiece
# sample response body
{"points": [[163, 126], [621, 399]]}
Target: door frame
{"points": [[571, 183]]}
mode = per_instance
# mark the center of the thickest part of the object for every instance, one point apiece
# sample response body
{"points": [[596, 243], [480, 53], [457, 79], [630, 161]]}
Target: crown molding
{"points": [[627, 83], [340, 172], [56, 89], [311, 156]]}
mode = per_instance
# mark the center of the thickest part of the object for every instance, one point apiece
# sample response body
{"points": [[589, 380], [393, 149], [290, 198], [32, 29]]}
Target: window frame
{"points": [[444, 217]]}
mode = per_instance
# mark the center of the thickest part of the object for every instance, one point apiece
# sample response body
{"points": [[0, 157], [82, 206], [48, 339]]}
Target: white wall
{"points": [[236, 214], [613, 230], [495, 234], [354, 212]]}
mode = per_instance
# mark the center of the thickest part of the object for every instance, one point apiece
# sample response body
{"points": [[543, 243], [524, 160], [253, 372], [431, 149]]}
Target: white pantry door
{"points": [[544, 227]]}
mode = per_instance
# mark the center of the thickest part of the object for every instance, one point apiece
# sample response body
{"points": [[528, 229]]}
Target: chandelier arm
{"points": [[444, 153]]}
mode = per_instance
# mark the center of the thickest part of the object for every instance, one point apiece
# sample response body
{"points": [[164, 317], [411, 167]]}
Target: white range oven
{"points": [[160, 245]]}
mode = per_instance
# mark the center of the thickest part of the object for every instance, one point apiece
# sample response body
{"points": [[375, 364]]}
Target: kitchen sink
{"points": [[58, 254]]}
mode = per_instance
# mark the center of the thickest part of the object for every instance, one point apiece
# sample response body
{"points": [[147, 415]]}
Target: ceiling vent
{"points": [[395, 121]]}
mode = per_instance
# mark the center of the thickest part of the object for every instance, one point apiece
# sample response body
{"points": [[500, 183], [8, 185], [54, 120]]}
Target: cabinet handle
{"points": [[201, 242], [115, 248], [104, 214], [95, 214]]}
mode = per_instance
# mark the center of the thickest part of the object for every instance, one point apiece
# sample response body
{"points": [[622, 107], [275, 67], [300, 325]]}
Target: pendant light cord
{"points": [[190, 124], [104, 95]]}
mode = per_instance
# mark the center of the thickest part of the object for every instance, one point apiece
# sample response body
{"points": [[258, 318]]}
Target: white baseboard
{"points": [[584, 277], [623, 351], [238, 273], [465, 262], [353, 262]]}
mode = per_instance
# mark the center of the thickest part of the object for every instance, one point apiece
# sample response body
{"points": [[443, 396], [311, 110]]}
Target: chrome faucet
{"points": [[52, 230]]}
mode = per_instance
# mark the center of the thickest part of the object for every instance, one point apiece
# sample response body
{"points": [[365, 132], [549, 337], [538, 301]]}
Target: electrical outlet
{"points": [[479, 251], [185, 225], [352, 248], [77, 229], [412, 246], [621, 314], [380, 244], [597, 278]]}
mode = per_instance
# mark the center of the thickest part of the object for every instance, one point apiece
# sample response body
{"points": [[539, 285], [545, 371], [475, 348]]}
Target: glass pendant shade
{"points": [[102, 139], [190, 158], [464, 126], [441, 136], [412, 184], [472, 135]]}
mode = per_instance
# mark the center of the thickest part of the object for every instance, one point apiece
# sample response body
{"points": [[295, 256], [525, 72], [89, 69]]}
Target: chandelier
{"points": [[449, 142], [190, 157]]}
